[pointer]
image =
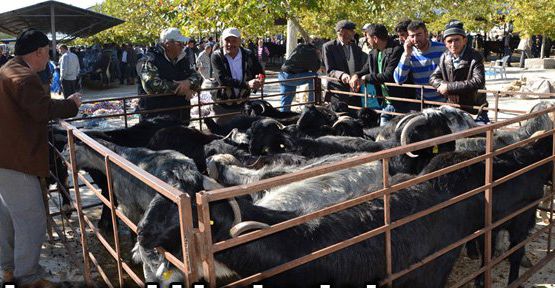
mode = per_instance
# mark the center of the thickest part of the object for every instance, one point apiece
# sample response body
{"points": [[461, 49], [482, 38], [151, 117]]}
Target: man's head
{"points": [[173, 42], [231, 40], [208, 47], [454, 37], [62, 48], [345, 31], [377, 36], [33, 46], [191, 43], [418, 34], [401, 30]]}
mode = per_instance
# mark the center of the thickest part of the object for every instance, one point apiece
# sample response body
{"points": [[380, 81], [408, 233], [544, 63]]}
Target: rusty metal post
{"points": [[207, 253], [421, 97], [317, 90], [387, 222], [496, 114], [114, 217], [199, 112], [488, 194], [365, 95], [187, 240], [84, 245], [262, 92], [551, 199], [49, 219], [125, 113]]}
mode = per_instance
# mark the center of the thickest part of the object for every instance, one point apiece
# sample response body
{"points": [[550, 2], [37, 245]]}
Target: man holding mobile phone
{"points": [[419, 60]]}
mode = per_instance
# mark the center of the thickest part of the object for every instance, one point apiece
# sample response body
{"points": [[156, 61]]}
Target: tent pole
{"points": [[53, 30]]}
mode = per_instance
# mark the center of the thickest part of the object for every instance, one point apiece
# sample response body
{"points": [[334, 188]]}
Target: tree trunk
{"points": [[291, 38], [542, 49]]}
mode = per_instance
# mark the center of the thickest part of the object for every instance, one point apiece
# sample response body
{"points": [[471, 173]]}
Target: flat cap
{"points": [[29, 41], [345, 24], [454, 27]]}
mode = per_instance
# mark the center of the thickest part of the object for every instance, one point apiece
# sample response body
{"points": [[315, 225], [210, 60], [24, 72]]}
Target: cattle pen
{"points": [[198, 248]]}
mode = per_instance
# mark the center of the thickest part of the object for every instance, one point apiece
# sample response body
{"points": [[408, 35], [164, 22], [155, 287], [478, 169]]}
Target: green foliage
{"points": [[145, 18], [533, 16]]}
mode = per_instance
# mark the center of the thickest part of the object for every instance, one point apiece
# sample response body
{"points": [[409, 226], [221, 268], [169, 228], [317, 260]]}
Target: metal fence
{"points": [[197, 243]]}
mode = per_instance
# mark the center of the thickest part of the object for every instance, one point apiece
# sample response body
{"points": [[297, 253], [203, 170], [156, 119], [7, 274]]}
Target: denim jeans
{"points": [[288, 88], [386, 117]]}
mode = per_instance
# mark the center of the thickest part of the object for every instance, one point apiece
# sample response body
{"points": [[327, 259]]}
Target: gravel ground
{"points": [[65, 266]]}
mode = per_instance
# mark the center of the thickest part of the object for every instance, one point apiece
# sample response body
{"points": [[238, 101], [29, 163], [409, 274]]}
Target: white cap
{"points": [[366, 26], [231, 32], [172, 34]]}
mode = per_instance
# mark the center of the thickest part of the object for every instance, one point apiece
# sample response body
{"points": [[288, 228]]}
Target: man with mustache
{"points": [[342, 59], [238, 70]]}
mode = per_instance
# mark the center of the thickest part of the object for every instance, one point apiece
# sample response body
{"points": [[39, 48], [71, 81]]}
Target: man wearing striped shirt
{"points": [[419, 60]]}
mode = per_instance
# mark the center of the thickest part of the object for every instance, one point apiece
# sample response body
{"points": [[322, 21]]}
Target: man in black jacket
{"points": [[381, 64], [342, 58], [460, 72], [167, 70], [304, 61], [238, 70]]}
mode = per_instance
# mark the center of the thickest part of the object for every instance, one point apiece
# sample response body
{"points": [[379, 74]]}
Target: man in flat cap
{"points": [[25, 109], [342, 58], [460, 73]]}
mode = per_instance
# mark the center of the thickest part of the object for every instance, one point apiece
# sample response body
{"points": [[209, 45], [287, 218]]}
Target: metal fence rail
{"points": [[200, 239], [204, 200]]}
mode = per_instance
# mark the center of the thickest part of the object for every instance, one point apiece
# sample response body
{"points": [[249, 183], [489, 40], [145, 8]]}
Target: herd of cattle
{"points": [[262, 143]]}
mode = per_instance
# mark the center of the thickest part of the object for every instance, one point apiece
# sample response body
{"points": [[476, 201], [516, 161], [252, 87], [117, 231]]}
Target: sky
{"points": [[8, 5]]}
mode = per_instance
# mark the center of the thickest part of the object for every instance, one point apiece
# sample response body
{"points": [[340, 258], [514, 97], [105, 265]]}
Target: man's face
{"points": [[173, 48], [43, 55], [372, 41], [455, 43], [402, 36], [346, 35], [418, 38], [231, 45]]}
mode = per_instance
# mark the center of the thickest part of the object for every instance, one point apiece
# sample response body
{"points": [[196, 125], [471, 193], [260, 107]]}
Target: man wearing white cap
{"points": [[236, 68], [363, 41], [168, 70]]}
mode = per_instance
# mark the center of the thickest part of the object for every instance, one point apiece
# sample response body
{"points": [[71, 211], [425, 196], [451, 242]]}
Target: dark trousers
{"points": [[509, 53], [123, 69], [69, 87], [336, 97]]}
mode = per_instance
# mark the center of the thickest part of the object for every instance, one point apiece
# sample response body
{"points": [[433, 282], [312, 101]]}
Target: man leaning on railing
{"points": [[168, 70], [460, 73], [238, 70]]}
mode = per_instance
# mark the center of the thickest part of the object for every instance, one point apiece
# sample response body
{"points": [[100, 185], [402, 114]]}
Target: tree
{"points": [[533, 17]]}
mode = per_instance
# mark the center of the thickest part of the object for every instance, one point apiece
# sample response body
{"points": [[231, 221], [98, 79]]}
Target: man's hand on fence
{"points": [[345, 78], [442, 89], [355, 83], [76, 97], [255, 84], [184, 89]]}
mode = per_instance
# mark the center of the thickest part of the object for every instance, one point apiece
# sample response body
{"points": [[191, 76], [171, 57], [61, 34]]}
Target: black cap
{"points": [[454, 27], [29, 41], [345, 24]]}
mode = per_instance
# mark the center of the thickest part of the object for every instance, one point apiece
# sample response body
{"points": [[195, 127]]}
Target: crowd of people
{"points": [[453, 67]]}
